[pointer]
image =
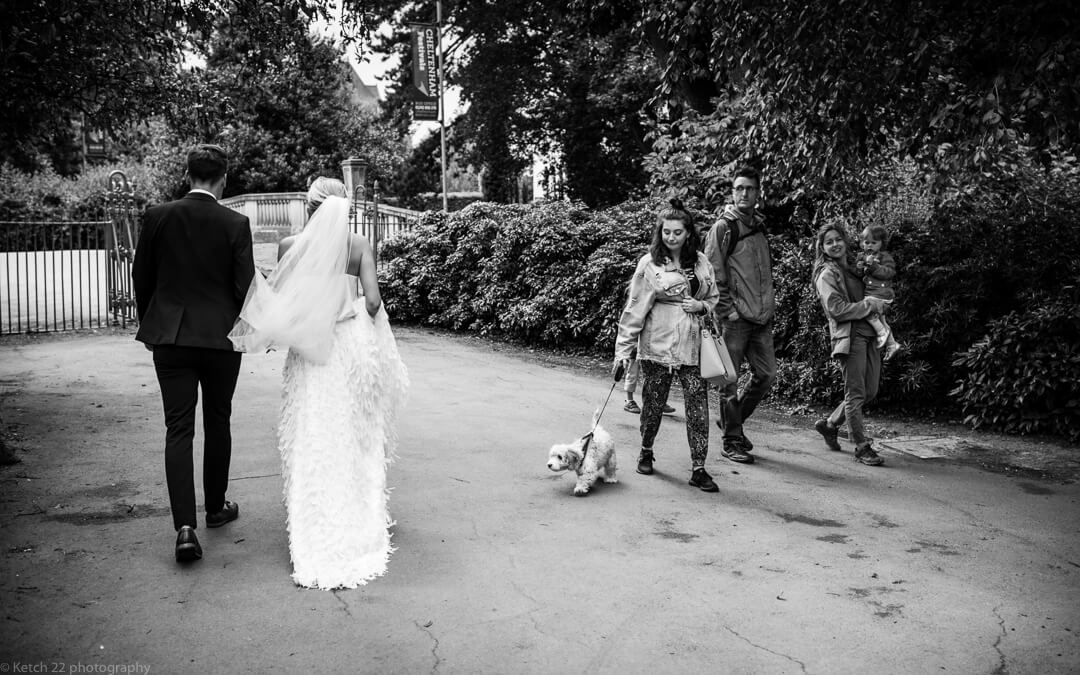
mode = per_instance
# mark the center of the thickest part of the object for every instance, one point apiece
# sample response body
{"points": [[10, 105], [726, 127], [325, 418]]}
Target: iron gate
{"points": [[70, 275]]}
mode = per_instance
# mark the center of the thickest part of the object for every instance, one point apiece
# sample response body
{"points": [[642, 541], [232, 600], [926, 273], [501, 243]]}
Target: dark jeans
{"points": [[180, 372], [862, 375], [656, 384], [753, 343]]}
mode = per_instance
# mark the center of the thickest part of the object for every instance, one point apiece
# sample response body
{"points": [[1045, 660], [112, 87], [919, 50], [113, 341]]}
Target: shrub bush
{"points": [[555, 274], [975, 258], [550, 273], [46, 195], [1023, 376]]}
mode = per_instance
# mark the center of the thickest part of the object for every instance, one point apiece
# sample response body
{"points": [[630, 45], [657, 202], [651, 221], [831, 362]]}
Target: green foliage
{"points": [[46, 195], [820, 93], [288, 116], [551, 274], [1024, 375], [538, 77], [555, 274], [112, 63], [961, 267], [419, 173], [592, 113]]}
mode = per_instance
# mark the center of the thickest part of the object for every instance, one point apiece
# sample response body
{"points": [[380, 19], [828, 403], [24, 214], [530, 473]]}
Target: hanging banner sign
{"points": [[425, 71], [425, 111]]}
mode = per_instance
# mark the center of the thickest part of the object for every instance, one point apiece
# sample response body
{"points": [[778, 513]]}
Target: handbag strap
{"points": [[707, 322]]}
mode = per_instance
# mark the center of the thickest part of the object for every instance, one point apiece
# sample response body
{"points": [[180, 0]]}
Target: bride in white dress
{"points": [[343, 384]]}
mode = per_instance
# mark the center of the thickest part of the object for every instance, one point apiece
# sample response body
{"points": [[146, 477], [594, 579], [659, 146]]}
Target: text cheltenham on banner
{"points": [[425, 92]]}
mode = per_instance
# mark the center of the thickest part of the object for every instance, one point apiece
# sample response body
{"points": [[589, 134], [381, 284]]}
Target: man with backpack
{"points": [[738, 249]]}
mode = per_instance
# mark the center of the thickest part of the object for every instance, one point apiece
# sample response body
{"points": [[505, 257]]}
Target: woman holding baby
{"points": [[671, 290]]}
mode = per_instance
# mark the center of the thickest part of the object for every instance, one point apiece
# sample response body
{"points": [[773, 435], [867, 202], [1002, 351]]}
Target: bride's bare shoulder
{"points": [[360, 243], [359, 248], [285, 244]]}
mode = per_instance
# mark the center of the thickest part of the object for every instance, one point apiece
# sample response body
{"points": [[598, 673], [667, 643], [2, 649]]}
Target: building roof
{"points": [[361, 92]]}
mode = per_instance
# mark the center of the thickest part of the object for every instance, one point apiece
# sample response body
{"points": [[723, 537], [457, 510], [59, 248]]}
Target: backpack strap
{"points": [[734, 233]]}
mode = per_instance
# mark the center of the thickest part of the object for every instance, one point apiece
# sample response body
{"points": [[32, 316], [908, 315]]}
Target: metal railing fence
{"points": [[378, 221], [70, 275], [53, 276]]}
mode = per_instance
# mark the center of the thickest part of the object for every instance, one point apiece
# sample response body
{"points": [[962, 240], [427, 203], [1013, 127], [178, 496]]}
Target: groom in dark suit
{"points": [[192, 268]]}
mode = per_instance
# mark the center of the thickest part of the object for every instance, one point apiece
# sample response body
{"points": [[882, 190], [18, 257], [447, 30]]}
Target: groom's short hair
{"points": [[207, 162]]}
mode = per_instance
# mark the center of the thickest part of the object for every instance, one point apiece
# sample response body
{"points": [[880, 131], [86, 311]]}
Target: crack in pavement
{"points": [[1002, 669], [434, 644], [344, 605], [802, 666]]}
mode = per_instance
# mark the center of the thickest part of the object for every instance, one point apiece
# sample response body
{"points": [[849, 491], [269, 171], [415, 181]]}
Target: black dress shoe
{"points": [[187, 545], [227, 514]]}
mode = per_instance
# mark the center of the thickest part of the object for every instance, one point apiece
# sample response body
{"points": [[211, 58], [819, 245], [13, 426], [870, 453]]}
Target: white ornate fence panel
{"points": [[286, 213]]}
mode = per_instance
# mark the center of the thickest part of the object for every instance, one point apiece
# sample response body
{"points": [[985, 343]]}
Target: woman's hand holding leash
{"points": [[619, 369]]}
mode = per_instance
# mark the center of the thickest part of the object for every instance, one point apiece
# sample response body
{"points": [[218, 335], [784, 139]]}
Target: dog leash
{"points": [[589, 436]]}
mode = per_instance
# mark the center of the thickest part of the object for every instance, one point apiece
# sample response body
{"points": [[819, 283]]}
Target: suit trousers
{"points": [[181, 371]]}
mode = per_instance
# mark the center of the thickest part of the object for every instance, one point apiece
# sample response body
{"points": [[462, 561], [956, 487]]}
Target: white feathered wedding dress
{"points": [[343, 385]]}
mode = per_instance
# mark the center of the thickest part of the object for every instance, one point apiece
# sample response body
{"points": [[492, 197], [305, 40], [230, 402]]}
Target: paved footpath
{"points": [[805, 562]]}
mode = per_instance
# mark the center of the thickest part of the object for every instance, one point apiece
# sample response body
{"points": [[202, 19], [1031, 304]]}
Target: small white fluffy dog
{"points": [[599, 460]]}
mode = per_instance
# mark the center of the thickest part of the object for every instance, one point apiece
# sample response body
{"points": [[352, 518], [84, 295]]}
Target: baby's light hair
{"points": [[877, 233]]}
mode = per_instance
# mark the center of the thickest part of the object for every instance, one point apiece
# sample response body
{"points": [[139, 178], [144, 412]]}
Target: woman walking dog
{"points": [[671, 290]]}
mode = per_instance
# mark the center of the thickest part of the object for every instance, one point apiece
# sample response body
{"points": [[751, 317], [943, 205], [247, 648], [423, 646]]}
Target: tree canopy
{"points": [[818, 91], [538, 77], [815, 93], [287, 115], [110, 63]]}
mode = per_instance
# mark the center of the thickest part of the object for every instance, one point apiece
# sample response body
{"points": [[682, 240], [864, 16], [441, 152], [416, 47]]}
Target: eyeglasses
{"points": [[744, 188]]}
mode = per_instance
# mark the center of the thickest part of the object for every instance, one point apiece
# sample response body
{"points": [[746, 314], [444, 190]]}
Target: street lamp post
{"points": [[354, 171]]}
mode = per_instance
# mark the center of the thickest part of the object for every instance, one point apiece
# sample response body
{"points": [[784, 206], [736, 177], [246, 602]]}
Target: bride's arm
{"points": [[368, 280], [283, 246]]}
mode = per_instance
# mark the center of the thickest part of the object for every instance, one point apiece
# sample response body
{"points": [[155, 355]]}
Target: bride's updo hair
{"points": [[321, 188]]}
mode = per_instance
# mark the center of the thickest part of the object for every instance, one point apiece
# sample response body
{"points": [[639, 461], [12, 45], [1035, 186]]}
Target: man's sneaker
{"points": [[734, 450], [830, 433], [632, 407], [644, 462], [747, 446], [668, 410], [866, 455], [703, 481]]}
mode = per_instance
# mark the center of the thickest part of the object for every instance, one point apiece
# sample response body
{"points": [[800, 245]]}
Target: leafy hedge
{"points": [[1024, 375], [46, 195], [555, 274], [552, 274]]}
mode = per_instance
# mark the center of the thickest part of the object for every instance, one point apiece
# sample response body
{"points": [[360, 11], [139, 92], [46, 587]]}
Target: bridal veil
{"points": [[308, 292]]}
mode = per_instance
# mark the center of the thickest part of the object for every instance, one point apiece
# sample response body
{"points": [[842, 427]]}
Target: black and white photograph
{"points": [[528, 337]]}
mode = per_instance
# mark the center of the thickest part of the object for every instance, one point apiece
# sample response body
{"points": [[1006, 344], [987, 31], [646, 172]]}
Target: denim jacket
{"points": [[653, 321], [839, 309]]}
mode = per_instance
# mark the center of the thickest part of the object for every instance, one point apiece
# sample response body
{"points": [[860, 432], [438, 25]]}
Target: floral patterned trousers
{"points": [[654, 393]]}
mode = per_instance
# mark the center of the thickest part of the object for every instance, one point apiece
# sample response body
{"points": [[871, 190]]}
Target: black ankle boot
{"points": [[644, 462]]}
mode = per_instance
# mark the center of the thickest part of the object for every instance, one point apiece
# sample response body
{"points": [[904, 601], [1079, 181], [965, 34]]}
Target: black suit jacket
{"points": [[191, 272]]}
